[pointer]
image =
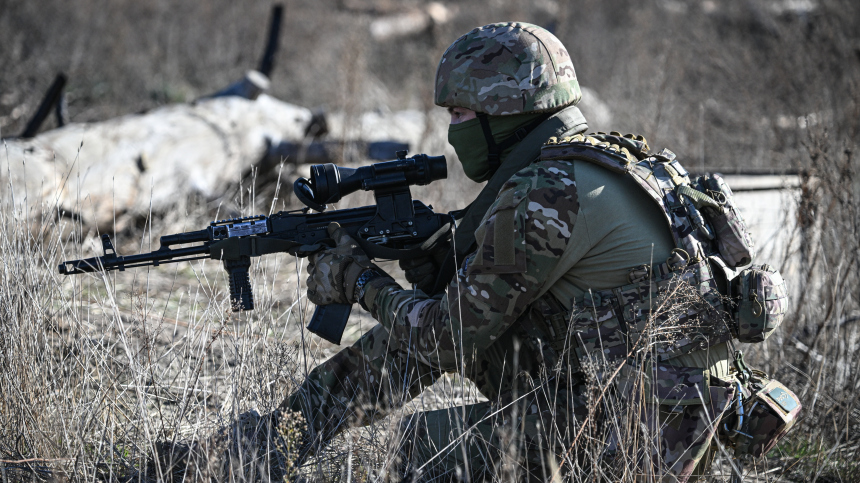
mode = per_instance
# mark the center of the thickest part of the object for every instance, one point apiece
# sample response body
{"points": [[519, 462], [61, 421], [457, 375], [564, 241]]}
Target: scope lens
{"points": [[325, 180], [437, 168]]}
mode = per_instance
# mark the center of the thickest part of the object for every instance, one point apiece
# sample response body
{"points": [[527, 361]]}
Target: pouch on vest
{"points": [[665, 385], [762, 417], [501, 235], [761, 301], [733, 240], [600, 334]]}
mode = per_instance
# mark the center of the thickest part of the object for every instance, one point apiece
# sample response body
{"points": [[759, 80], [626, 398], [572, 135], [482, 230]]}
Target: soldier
{"points": [[559, 298], [541, 241]]}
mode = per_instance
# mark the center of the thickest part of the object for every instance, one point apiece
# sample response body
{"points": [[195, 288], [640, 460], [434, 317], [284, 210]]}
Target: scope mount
{"points": [[394, 219]]}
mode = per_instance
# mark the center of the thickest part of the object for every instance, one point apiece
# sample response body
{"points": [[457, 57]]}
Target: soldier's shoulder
{"points": [[543, 174], [540, 185]]}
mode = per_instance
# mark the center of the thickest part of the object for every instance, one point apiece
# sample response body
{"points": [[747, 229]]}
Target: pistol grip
{"points": [[329, 321], [241, 297]]}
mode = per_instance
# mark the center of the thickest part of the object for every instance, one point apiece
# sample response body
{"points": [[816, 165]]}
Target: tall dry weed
{"points": [[95, 371]]}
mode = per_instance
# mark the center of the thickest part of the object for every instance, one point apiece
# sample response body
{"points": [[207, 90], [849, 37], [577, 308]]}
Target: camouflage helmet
{"points": [[507, 68]]}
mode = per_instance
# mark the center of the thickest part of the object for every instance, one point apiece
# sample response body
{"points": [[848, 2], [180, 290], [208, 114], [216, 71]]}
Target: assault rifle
{"points": [[389, 230]]}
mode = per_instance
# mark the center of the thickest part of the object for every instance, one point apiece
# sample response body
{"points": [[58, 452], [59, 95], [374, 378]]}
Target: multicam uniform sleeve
{"points": [[519, 241]]}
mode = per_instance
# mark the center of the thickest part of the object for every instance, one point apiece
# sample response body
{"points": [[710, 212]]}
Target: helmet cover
{"points": [[507, 68]]}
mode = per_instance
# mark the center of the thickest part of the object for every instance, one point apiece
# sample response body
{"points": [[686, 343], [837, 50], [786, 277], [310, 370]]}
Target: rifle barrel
{"points": [[163, 255]]}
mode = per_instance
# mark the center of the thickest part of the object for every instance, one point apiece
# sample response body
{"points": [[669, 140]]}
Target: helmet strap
{"points": [[494, 150]]}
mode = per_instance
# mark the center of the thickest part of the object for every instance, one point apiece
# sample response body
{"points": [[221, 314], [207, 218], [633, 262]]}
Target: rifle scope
{"points": [[329, 183]]}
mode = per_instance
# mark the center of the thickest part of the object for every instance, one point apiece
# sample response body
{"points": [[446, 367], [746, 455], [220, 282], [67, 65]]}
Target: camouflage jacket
{"points": [[540, 213], [518, 240]]}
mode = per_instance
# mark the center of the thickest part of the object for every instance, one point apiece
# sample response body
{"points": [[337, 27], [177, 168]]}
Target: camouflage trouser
{"points": [[526, 436], [357, 386], [367, 381], [485, 441], [670, 442], [448, 444]]}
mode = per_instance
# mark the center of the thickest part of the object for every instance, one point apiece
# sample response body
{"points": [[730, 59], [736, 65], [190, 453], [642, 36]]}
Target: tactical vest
{"points": [[673, 307], [684, 304]]}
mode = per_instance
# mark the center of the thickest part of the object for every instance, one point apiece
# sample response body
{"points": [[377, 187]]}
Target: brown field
{"points": [[95, 369]]}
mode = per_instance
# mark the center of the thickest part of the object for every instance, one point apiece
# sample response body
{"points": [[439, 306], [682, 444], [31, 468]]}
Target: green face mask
{"points": [[471, 147], [468, 141]]}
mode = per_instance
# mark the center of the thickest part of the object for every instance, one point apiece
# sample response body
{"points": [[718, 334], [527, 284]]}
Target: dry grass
{"points": [[97, 369], [94, 370]]}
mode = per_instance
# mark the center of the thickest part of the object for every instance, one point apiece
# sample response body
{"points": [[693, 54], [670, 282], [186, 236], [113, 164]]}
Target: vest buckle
{"points": [[678, 259], [639, 274]]}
